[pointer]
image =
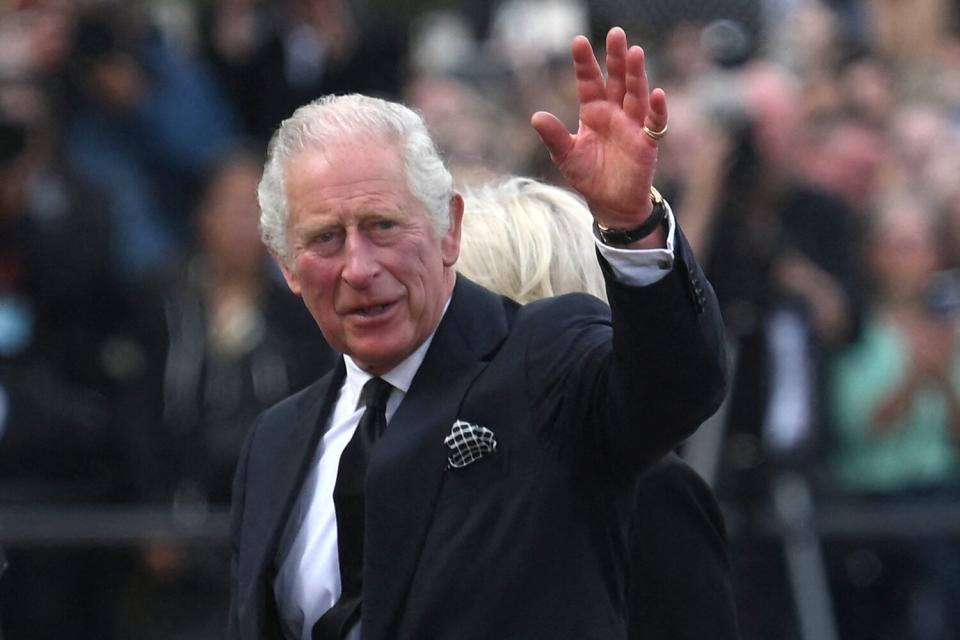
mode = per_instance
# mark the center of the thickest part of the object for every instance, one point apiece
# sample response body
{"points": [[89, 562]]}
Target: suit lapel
{"points": [[407, 467], [294, 435]]}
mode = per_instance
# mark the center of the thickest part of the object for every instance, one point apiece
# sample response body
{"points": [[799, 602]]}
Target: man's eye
{"points": [[327, 242], [382, 230], [328, 235]]}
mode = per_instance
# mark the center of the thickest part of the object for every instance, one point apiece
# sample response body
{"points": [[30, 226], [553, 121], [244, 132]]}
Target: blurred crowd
{"points": [[812, 160]]}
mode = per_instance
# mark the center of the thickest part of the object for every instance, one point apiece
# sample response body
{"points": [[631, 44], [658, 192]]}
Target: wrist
{"points": [[625, 236]]}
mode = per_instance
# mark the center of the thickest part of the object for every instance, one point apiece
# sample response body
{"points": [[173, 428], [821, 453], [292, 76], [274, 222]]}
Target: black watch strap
{"points": [[623, 237]]}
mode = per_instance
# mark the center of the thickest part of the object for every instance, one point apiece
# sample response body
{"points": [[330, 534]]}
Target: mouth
{"points": [[370, 311]]}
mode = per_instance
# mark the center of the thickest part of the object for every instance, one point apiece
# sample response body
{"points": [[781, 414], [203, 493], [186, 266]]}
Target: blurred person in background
{"points": [[867, 88], [846, 159], [273, 56], [528, 240], [69, 364], [34, 37], [911, 34], [529, 40], [463, 120], [467, 95], [233, 341], [895, 400], [926, 134], [782, 253], [143, 121], [787, 273]]}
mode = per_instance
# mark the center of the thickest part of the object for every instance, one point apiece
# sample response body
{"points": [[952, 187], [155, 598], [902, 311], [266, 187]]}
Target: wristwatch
{"points": [[623, 237]]}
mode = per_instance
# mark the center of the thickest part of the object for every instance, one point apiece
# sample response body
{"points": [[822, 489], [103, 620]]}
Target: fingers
{"points": [[616, 65], [628, 84], [636, 101], [554, 134], [590, 85], [656, 118]]}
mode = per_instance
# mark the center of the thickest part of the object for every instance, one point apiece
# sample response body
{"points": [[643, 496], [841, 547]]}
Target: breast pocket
{"points": [[484, 476]]}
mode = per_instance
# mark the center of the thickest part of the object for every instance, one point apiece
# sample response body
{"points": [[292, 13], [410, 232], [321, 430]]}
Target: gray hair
{"points": [[528, 240], [327, 121]]}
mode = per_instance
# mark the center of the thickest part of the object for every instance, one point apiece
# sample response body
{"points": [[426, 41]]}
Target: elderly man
{"points": [[467, 471]]}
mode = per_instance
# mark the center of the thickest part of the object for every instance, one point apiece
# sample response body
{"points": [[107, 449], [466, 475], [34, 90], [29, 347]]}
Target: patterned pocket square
{"points": [[468, 443]]}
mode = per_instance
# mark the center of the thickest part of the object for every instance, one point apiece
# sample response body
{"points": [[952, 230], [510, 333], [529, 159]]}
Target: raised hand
{"points": [[611, 158]]}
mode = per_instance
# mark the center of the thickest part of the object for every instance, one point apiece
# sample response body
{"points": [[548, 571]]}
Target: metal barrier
{"points": [[94, 525], [97, 525], [794, 518]]}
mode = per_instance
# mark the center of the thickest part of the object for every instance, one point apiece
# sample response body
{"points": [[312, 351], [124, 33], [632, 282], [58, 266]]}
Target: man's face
{"points": [[366, 260]]}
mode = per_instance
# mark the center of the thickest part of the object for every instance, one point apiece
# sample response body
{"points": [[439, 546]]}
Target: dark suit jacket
{"points": [[529, 542], [680, 583]]}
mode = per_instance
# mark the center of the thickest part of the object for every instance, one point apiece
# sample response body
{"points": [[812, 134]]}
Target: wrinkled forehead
{"points": [[346, 155], [350, 178]]}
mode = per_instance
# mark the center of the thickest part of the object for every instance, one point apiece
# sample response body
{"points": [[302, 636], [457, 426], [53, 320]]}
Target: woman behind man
{"points": [[526, 240]]}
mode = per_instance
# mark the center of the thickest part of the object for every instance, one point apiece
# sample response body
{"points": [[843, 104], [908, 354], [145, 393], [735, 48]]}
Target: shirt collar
{"points": [[400, 377]]}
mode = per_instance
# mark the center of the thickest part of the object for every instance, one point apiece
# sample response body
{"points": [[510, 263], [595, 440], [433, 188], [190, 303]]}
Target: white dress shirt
{"points": [[308, 578], [308, 581]]}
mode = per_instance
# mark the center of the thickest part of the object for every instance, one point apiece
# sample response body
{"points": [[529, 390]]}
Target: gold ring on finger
{"points": [[655, 135]]}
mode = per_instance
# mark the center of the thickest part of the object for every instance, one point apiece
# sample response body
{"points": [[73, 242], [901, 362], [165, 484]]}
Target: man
{"points": [[497, 497]]}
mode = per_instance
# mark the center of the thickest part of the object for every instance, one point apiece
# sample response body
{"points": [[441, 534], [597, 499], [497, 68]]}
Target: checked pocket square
{"points": [[468, 443]]}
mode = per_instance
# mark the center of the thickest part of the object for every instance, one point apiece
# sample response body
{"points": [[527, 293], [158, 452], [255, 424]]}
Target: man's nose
{"points": [[360, 263]]}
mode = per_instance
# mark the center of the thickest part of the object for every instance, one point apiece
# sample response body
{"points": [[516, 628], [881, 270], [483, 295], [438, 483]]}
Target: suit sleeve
{"points": [[668, 364], [623, 389]]}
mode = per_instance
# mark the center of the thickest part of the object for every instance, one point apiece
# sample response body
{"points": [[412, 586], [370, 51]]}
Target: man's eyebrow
{"points": [[311, 227], [327, 219]]}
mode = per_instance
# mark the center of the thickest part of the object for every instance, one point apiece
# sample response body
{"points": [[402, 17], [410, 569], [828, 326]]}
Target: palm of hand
{"points": [[608, 153]]}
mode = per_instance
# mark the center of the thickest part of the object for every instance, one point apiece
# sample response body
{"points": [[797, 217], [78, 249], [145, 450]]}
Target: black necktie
{"points": [[348, 499]]}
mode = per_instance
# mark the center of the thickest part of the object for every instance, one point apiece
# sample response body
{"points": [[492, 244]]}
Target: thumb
{"points": [[553, 133]]}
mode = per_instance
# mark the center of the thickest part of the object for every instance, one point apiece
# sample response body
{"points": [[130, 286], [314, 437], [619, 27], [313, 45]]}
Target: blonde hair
{"points": [[528, 240]]}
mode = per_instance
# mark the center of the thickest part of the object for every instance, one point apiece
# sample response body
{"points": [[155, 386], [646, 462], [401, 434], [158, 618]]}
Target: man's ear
{"points": [[450, 243], [288, 274]]}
